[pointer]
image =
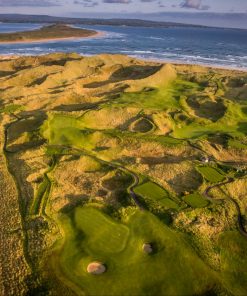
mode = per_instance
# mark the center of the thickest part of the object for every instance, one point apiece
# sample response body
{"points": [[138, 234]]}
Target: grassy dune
{"points": [[103, 154]]}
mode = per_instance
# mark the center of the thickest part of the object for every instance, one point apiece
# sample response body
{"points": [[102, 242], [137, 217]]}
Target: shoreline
{"points": [[173, 62], [98, 34], [182, 63]]}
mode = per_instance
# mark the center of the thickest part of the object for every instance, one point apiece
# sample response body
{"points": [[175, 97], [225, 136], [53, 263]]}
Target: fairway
{"points": [[101, 233], [195, 200], [132, 271], [211, 174], [154, 192]]}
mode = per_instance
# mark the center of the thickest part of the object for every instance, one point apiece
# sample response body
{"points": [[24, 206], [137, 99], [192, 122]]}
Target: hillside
{"points": [[116, 170]]}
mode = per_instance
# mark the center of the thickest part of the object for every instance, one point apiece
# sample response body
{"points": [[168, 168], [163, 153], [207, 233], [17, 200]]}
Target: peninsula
{"points": [[51, 32]]}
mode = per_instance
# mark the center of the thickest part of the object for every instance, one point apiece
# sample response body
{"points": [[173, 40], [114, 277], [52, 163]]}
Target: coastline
{"points": [[98, 34], [158, 61], [182, 63]]}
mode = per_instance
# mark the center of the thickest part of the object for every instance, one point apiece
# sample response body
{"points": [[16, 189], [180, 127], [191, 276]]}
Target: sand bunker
{"points": [[96, 268], [147, 248]]}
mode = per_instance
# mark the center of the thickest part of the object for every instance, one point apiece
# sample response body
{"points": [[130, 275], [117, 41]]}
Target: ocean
{"points": [[206, 46]]}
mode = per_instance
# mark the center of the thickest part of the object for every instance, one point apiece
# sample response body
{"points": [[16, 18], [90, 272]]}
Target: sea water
{"points": [[208, 46]]}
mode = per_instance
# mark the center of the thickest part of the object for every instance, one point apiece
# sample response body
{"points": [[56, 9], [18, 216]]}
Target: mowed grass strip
{"points": [[153, 191], [172, 269], [102, 234], [212, 175], [195, 200]]}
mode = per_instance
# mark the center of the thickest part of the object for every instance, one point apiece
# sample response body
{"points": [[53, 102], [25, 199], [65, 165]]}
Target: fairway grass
{"points": [[156, 193], [211, 174], [172, 270], [195, 200], [101, 233], [233, 252]]}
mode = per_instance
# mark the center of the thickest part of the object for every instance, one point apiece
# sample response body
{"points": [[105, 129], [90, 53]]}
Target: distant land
{"points": [[164, 20], [231, 20], [51, 32], [22, 18]]}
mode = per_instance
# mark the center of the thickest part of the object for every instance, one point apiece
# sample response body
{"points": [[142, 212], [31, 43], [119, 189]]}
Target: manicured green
{"points": [[195, 200], [158, 99], [154, 192], [172, 269], [211, 174], [101, 233]]}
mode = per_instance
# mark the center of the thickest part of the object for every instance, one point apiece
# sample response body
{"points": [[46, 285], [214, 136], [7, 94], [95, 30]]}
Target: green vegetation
{"points": [[105, 156], [154, 192], [57, 31], [90, 236], [234, 143], [211, 174], [195, 200], [233, 255], [12, 108]]}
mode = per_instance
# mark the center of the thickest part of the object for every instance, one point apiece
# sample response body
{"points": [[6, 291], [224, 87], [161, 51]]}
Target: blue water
{"points": [[220, 47]]}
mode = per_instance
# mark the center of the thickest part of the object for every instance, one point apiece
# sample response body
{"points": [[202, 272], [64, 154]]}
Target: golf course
{"points": [[122, 177]]}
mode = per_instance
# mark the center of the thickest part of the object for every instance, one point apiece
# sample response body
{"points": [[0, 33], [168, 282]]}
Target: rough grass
{"points": [[12, 108], [234, 143], [233, 255]]}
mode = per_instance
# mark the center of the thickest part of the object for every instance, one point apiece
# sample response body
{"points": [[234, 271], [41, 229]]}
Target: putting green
{"points": [[101, 233], [173, 269]]}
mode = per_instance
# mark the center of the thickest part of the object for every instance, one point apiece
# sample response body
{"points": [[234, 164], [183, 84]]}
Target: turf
{"points": [[101, 233], [211, 174], [156, 193], [132, 271], [233, 256], [195, 200]]}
